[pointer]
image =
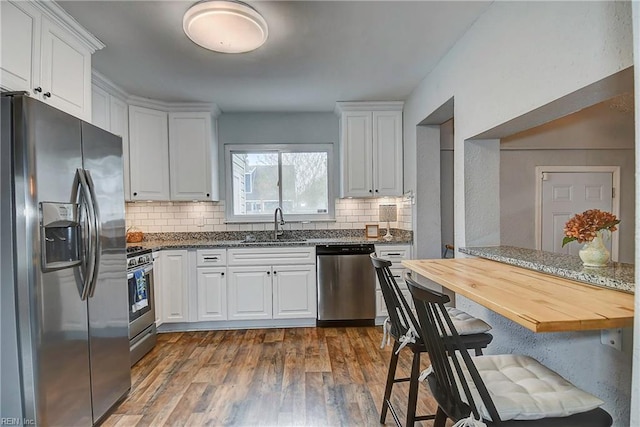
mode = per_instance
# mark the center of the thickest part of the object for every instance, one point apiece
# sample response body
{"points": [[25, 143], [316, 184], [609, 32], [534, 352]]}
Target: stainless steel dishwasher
{"points": [[346, 285]]}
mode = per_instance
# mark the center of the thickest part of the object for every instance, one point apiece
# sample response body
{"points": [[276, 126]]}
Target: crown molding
{"points": [[104, 83], [57, 14], [174, 106], [343, 106]]}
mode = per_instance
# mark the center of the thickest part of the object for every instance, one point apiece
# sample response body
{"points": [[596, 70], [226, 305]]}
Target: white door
{"points": [[19, 32], [249, 293], [357, 154], [294, 292], [190, 156], [566, 193], [212, 293], [148, 154], [387, 153], [175, 287], [65, 71]]}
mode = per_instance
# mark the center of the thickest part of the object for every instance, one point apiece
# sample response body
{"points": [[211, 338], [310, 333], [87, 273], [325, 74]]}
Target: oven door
{"points": [[141, 310]]}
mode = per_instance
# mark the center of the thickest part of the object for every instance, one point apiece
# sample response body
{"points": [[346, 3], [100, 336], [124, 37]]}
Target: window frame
{"points": [[230, 149]]}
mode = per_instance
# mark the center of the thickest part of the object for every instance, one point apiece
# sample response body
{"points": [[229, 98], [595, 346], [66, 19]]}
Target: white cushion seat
{"points": [[466, 324], [523, 389]]}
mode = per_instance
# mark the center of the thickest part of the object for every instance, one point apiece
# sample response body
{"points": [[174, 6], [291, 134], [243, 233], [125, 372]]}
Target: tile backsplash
{"points": [[170, 217]]}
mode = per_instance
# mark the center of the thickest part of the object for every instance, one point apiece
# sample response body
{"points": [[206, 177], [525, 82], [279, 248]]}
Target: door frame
{"points": [[615, 201]]}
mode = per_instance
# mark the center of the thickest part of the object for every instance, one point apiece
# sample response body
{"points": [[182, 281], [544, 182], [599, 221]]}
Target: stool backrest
{"points": [[402, 318], [442, 341]]}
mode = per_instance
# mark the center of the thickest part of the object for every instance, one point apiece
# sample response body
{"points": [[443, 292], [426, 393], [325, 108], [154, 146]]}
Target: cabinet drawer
{"points": [[272, 256], [211, 257], [398, 275], [394, 254]]}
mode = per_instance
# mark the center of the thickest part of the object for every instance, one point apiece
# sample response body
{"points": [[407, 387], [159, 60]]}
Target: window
{"points": [[297, 178]]}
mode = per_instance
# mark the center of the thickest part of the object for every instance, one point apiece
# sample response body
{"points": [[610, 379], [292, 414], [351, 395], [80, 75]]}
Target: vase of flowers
{"points": [[588, 228]]}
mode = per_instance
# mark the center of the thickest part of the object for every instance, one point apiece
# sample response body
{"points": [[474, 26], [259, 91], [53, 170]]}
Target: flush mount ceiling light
{"points": [[225, 26]]}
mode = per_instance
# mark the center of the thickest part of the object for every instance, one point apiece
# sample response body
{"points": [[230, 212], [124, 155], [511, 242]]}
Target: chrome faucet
{"points": [[277, 232]]}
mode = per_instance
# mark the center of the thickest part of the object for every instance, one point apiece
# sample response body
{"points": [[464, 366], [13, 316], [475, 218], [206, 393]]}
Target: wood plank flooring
{"points": [[266, 377]]}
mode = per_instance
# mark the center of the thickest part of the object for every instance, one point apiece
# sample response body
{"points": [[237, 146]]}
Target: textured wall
{"points": [[517, 57]]}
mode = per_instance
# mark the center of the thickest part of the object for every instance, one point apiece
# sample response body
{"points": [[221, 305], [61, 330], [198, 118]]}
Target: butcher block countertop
{"points": [[538, 301]]}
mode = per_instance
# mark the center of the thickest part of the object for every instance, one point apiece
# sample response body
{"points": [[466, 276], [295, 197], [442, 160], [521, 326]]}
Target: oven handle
{"points": [[147, 269]]}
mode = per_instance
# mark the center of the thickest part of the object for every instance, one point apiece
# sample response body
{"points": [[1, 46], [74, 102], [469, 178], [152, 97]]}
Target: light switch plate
{"points": [[200, 221], [612, 338]]}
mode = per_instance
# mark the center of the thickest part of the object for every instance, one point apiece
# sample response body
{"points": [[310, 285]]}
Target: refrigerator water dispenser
{"points": [[60, 227]]}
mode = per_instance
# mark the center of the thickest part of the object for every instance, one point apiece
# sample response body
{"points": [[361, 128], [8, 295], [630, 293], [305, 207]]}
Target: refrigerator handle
{"points": [[98, 232], [81, 183]]}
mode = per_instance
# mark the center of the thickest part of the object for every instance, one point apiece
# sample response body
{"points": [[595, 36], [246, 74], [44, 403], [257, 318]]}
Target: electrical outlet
{"points": [[612, 338], [200, 221]]}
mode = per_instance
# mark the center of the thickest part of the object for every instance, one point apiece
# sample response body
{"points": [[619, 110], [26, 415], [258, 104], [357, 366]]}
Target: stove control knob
{"points": [[141, 260]]}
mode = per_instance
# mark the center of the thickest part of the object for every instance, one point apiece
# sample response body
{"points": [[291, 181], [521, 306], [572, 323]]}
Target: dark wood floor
{"points": [[267, 377]]}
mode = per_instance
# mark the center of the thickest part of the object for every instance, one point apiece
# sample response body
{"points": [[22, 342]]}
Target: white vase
{"points": [[594, 253]]}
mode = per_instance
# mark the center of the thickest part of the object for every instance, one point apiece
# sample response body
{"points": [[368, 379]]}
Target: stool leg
{"points": [[391, 375], [478, 351], [413, 389], [441, 418]]}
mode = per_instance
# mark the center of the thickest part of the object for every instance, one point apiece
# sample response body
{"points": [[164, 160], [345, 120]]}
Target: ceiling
{"points": [[317, 53]]}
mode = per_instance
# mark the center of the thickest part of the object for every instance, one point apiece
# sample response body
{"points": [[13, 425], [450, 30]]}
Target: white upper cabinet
{"points": [[65, 71], [148, 154], [190, 145], [46, 53], [172, 156], [371, 148], [110, 112], [20, 29]]}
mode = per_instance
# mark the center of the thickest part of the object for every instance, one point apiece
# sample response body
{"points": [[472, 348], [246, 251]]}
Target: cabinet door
{"points": [[148, 154], [65, 71], [19, 39], [387, 153], [357, 154], [100, 108], [175, 286], [190, 156], [249, 293], [119, 125], [212, 294], [294, 292]]}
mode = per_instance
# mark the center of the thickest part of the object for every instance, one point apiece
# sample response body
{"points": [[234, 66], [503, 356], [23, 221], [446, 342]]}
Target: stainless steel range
{"points": [[142, 315]]}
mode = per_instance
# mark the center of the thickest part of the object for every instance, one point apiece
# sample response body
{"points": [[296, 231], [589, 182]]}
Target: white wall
{"points": [[516, 57]]}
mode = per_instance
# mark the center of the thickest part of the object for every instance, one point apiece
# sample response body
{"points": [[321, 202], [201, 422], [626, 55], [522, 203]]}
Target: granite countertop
{"points": [[616, 276], [157, 241]]}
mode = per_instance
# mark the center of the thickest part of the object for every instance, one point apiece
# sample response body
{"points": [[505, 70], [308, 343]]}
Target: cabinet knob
{"points": [[222, 274], [275, 272], [268, 273], [135, 194], [376, 191], [207, 194], [37, 89], [370, 191], [47, 94]]}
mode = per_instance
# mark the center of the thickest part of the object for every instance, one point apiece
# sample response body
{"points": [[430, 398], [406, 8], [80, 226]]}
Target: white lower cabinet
{"points": [[211, 293], [250, 293], [395, 254], [272, 283], [294, 291], [174, 286], [235, 286]]}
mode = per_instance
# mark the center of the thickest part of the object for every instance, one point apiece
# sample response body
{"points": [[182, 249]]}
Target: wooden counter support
{"points": [[537, 301]]}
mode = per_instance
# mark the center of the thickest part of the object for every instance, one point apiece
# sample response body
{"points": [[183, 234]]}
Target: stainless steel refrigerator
{"points": [[65, 340]]}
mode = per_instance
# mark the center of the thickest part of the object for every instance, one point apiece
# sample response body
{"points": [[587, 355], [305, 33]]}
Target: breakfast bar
{"points": [[540, 302]]}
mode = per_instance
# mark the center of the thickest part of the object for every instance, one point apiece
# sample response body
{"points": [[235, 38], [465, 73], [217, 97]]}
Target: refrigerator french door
{"points": [[68, 265]]}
